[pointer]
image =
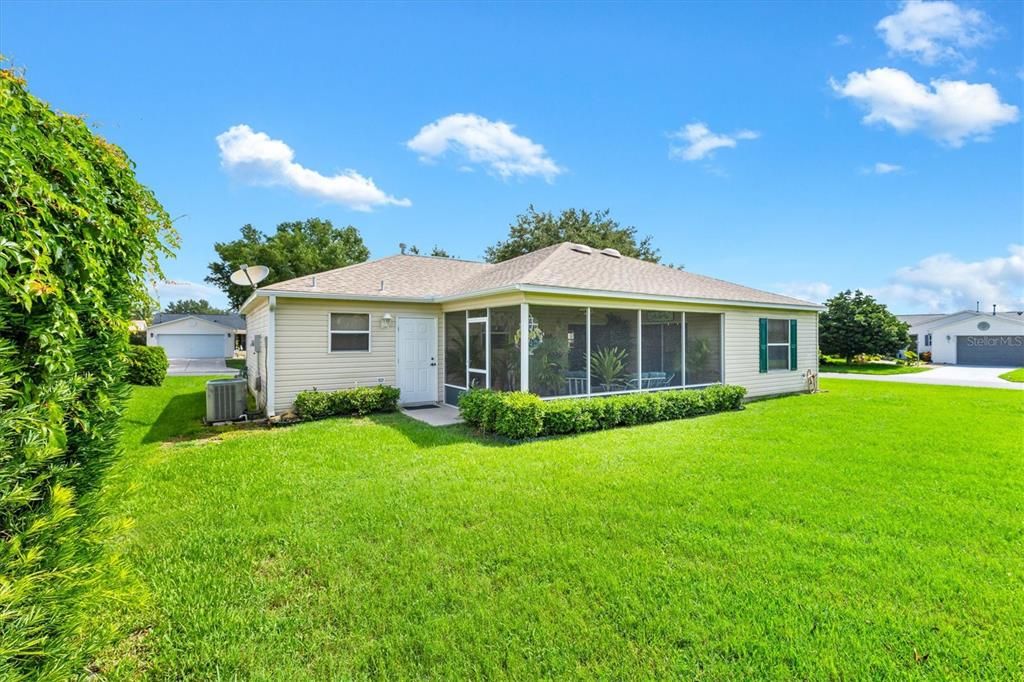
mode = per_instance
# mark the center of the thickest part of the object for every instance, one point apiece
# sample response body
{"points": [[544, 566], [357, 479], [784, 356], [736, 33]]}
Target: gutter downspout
{"points": [[271, 352]]}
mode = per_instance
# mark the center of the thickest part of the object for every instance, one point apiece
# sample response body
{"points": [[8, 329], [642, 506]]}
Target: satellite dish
{"points": [[250, 275]]}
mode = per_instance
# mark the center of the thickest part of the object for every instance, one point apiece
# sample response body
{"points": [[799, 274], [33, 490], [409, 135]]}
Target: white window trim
{"points": [[927, 340], [769, 344], [368, 331]]}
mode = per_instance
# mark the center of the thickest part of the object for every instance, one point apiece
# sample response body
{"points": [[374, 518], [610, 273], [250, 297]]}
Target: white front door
{"points": [[417, 359]]}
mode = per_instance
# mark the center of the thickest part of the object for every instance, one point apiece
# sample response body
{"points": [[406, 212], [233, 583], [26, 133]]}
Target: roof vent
{"points": [[614, 253], [582, 248]]}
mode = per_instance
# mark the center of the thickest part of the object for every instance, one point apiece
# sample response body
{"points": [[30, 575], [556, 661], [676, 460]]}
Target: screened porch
{"points": [[564, 351]]}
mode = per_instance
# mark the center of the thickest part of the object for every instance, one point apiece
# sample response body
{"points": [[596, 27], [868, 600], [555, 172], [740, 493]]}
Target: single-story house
{"points": [[969, 337], [566, 320], [197, 336]]}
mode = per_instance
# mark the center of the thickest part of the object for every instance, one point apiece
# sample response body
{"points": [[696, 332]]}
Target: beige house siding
{"points": [[303, 360], [257, 322], [742, 352]]}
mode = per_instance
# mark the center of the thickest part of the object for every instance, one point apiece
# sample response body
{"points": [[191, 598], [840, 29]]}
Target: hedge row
{"points": [[147, 365], [359, 401], [518, 415], [79, 240]]}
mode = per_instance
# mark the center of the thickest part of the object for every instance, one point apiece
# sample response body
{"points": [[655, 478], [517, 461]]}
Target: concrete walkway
{"points": [[944, 375], [198, 367], [436, 415]]}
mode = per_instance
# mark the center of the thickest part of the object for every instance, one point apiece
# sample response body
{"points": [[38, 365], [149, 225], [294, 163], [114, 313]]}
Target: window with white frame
{"points": [[350, 332], [778, 344], [927, 340]]}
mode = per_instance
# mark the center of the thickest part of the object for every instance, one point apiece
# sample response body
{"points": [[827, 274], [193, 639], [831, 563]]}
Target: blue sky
{"points": [[793, 147]]}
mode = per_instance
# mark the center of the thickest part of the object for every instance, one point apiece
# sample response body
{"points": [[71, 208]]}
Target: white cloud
{"points": [[493, 144], [172, 290], [950, 111], [815, 292], [265, 161], [930, 32], [842, 39], [701, 142], [944, 283], [881, 168]]}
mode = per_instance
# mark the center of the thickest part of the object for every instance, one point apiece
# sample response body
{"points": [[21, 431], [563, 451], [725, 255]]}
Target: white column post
{"points": [[588, 351], [524, 347], [640, 350]]}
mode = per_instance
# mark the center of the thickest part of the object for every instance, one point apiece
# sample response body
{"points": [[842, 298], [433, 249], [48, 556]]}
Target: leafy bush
{"points": [[359, 401], [476, 405], [79, 238], [147, 365], [570, 416], [524, 415], [518, 415], [926, 356]]}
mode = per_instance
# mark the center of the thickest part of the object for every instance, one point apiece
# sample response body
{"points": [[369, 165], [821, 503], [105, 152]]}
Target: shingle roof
{"points": [[561, 266], [228, 320], [933, 318], [392, 277], [916, 320]]}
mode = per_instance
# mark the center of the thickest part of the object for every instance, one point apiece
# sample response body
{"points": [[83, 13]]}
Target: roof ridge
{"points": [[552, 250], [444, 258], [327, 272]]}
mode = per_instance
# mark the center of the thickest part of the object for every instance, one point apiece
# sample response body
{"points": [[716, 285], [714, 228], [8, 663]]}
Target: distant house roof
{"points": [[229, 320], [565, 267], [934, 321]]}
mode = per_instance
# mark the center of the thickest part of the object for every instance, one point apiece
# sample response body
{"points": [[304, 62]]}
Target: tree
{"points": [[191, 306], [414, 250], [854, 323], [536, 229], [297, 249], [144, 309], [79, 239]]}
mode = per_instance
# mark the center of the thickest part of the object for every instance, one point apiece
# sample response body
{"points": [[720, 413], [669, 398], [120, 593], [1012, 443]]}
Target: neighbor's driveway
{"points": [[949, 375], [198, 367]]}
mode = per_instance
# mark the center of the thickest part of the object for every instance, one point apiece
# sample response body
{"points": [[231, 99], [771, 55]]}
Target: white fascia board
{"points": [[534, 288], [346, 297]]}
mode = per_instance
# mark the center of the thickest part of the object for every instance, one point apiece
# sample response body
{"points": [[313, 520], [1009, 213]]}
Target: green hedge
{"points": [[524, 415], [79, 239], [359, 401], [147, 365]]}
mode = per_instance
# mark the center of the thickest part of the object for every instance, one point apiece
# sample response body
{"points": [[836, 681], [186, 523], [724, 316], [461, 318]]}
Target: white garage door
{"points": [[192, 345]]}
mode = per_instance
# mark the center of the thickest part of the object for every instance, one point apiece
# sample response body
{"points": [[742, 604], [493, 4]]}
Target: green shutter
{"points": [[763, 326], [792, 344]]}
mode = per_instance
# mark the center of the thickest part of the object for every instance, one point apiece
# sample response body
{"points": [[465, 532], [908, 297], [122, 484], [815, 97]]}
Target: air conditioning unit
{"points": [[225, 400]]}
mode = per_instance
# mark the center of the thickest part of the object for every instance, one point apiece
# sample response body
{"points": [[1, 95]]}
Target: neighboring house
{"points": [[969, 338], [562, 321], [197, 336]]}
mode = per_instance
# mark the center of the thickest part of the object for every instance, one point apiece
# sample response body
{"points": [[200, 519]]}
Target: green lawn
{"points": [[874, 530], [841, 367], [1016, 376], [235, 363]]}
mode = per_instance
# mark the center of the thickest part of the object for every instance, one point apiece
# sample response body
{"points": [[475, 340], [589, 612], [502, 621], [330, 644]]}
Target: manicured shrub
{"points": [[147, 365], [524, 415], [719, 398], [359, 401], [569, 416], [79, 239], [477, 407], [518, 416]]}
